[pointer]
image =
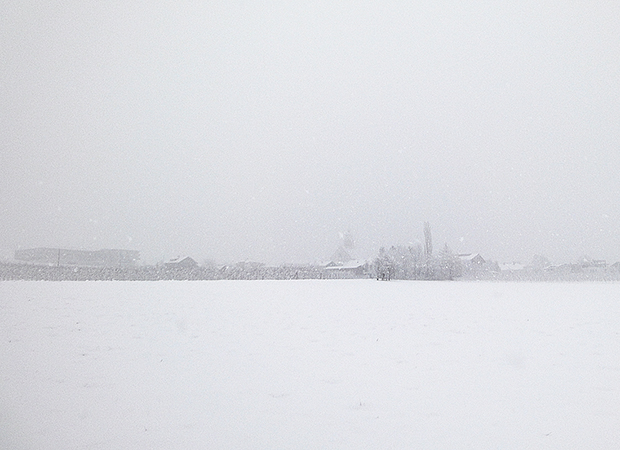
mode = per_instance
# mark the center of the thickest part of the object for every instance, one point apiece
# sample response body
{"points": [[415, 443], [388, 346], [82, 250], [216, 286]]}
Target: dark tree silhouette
{"points": [[428, 240]]}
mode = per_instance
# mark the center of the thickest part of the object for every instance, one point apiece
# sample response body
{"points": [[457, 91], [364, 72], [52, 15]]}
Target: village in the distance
{"points": [[398, 262]]}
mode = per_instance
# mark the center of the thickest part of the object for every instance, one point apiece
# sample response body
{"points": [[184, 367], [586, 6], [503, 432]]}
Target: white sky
{"points": [[260, 130]]}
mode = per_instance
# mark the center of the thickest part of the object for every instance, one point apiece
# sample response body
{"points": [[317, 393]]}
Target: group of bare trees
{"points": [[412, 262]]}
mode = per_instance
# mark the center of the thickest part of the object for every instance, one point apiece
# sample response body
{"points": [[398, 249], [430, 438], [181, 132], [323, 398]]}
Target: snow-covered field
{"points": [[317, 364]]}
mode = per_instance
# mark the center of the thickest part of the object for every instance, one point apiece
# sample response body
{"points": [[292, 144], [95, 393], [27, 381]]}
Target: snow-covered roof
{"points": [[349, 265], [469, 256], [511, 267], [181, 260]]}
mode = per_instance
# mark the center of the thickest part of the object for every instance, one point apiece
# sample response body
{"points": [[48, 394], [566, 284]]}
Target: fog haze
{"points": [[251, 130]]}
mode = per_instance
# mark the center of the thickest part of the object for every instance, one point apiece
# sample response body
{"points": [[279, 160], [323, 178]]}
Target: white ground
{"points": [[319, 364]]}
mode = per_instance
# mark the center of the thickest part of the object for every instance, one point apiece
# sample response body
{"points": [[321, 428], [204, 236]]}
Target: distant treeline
{"points": [[9, 271], [12, 271]]}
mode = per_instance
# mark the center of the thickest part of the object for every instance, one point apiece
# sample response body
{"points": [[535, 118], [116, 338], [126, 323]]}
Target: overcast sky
{"points": [[235, 130]]}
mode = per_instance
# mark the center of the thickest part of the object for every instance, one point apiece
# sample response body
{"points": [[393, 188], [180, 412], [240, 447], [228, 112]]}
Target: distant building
{"points": [[70, 257], [587, 264], [472, 259], [511, 267], [357, 267], [184, 262], [474, 264], [563, 268]]}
